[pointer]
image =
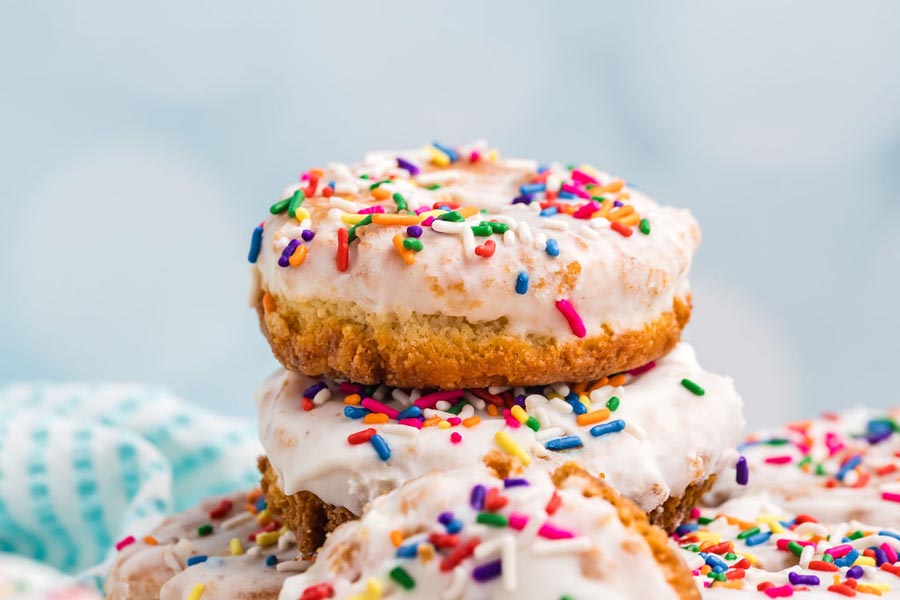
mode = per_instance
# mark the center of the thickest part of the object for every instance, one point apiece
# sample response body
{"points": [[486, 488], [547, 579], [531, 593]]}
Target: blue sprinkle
{"points": [[405, 164], [892, 534], [450, 152], [542, 169], [331, 184], [718, 565], [687, 528], [578, 407], [848, 466], [609, 427], [476, 498], [758, 538], [564, 443], [522, 200], [195, 560], [261, 504], [255, 244], [408, 551], [532, 188], [549, 211], [848, 559], [566, 196], [413, 412], [454, 526], [271, 560], [522, 282], [355, 412], [552, 247], [381, 447]]}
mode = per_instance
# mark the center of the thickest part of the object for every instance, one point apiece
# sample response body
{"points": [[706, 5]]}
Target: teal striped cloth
{"points": [[83, 465]]}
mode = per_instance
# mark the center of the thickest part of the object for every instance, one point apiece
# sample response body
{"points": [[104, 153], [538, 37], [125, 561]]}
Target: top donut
{"points": [[451, 267]]}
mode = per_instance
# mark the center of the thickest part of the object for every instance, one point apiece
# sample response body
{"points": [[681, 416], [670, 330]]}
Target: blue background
{"points": [[141, 143]]}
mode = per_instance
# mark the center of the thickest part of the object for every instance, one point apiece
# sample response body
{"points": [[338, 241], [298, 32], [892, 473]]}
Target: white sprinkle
{"points": [[540, 242], [171, 561], [635, 430], [344, 205], [523, 164], [519, 391], [414, 395], [874, 540], [443, 405], [438, 176], [524, 232], [467, 411], [293, 566], [588, 232], [380, 393], [334, 214], [431, 412], [509, 238], [538, 450], [346, 187], [564, 546], [255, 551], [806, 555], [457, 584], [533, 401], [237, 520], [543, 416], [448, 226], [400, 396], [282, 242], [341, 171], [561, 405], [555, 224], [535, 207], [510, 576], [809, 527], [285, 540], [599, 223], [398, 429], [549, 433], [561, 388], [322, 396], [488, 548], [306, 224], [554, 182], [468, 241], [599, 396]]}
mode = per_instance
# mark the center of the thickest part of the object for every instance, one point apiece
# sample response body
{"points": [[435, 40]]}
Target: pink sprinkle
{"points": [[575, 322], [455, 437], [411, 422], [510, 420], [518, 521], [427, 222], [695, 513], [474, 156], [891, 496], [304, 177], [422, 209], [889, 552], [839, 551], [552, 532], [124, 542], [782, 591], [371, 209], [583, 178], [346, 387], [586, 210], [779, 460], [641, 370], [378, 407], [454, 421], [568, 187], [429, 400]]}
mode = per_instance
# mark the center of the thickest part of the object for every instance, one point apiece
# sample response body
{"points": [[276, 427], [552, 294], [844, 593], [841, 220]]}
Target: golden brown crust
{"points": [[676, 511], [336, 339], [632, 517]]}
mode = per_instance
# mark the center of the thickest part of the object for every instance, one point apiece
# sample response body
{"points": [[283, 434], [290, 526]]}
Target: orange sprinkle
{"points": [[250, 508], [631, 220], [408, 256], [622, 211], [611, 187], [264, 518], [352, 399], [375, 419], [468, 211], [254, 495], [151, 541], [268, 302], [605, 207], [471, 421], [617, 380], [593, 417], [868, 589], [298, 256], [395, 219], [705, 569], [396, 538], [732, 584], [380, 193], [431, 421], [598, 384], [316, 173], [492, 410]]}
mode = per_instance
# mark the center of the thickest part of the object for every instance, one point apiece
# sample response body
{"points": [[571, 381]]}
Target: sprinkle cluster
{"points": [[467, 552], [409, 199], [835, 558]]}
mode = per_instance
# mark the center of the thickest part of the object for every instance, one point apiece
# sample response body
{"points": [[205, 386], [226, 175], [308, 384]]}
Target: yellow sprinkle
{"points": [[426, 552], [468, 211], [353, 399], [301, 214], [264, 517], [236, 547], [351, 219], [772, 522], [708, 536], [881, 587], [751, 557], [396, 538], [437, 157], [866, 561], [444, 425], [431, 213], [509, 445], [837, 579], [267, 539], [196, 592], [586, 400], [590, 170], [493, 155], [519, 414]]}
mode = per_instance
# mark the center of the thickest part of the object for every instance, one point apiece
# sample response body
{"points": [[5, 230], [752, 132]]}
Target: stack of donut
{"points": [[484, 395]]}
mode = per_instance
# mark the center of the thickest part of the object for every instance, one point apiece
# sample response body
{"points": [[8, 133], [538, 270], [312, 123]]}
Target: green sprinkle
{"points": [[456, 408], [599, 199], [401, 202], [693, 387], [377, 184], [567, 597], [828, 558], [691, 547], [482, 230], [296, 200], [280, 206], [820, 470], [363, 176], [795, 548], [205, 529], [730, 556], [644, 226], [806, 460], [413, 244], [856, 535], [497, 227], [717, 576], [612, 404], [433, 186], [492, 519], [402, 578], [452, 216], [533, 424], [747, 533], [351, 235], [776, 442], [704, 520]]}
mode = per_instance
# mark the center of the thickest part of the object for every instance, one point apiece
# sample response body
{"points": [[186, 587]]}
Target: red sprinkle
{"points": [[221, 511], [553, 504], [307, 404], [822, 565], [486, 250], [361, 437], [443, 540], [843, 589], [320, 591], [124, 542], [493, 501], [622, 230], [462, 552], [891, 569], [343, 250]]}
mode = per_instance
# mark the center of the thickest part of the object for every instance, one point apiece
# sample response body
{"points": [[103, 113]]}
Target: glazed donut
{"points": [[752, 545], [224, 548], [452, 268], [658, 436], [471, 534], [840, 466]]}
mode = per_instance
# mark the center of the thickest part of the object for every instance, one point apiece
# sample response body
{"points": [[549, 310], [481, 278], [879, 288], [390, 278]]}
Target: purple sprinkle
{"points": [[487, 571], [520, 400], [308, 235], [880, 556], [476, 498], [876, 438], [617, 204], [314, 389], [855, 572], [405, 164], [284, 260], [522, 200], [798, 579], [414, 231], [514, 482], [445, 517], [743, 471]]}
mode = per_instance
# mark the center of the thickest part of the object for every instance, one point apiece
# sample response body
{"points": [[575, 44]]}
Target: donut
{"points": [[751, 545], [453, 268], [840, 466], [475, 533], [230, 547], [658, 435]]}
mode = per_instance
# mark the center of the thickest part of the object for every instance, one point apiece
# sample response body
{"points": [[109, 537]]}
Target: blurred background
{"points": [[141, 142]]}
